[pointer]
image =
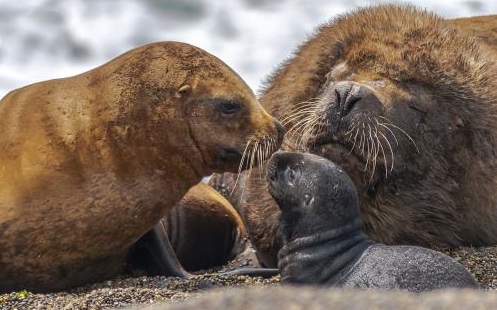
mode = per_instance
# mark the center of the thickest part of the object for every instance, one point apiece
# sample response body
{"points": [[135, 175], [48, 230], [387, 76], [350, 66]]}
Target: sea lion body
{"points": [[92, 162], [204, 231], [405, 102], [323, 242], [205, 223]]}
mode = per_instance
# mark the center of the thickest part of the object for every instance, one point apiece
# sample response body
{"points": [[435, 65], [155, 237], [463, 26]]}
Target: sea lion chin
{"points": [[92, 162], [404, 101]]}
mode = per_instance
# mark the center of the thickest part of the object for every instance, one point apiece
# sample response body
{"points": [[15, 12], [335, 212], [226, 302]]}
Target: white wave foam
{"points": [[46, 39]]}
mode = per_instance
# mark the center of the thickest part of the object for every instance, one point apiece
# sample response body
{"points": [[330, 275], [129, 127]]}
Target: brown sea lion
{"points": [[92, 162], [406, 103]]}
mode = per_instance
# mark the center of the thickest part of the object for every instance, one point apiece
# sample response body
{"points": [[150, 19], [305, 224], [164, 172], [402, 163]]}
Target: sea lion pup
{"points": [[405, 102], [92, 162], [323, 243]]}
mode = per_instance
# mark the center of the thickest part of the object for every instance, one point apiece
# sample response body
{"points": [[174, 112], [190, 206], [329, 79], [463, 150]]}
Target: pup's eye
{"points": [[229, 107]]}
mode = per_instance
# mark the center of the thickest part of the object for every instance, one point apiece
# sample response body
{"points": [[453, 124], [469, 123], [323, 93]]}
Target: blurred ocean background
{"points": [[45, 39]]}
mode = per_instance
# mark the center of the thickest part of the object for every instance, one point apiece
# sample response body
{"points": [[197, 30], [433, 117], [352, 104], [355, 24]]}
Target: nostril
{"points": [[349, 104], [346, 102], [347, 95]]}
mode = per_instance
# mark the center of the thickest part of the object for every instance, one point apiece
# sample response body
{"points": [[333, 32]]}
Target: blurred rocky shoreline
{"points": [[47, 39]]}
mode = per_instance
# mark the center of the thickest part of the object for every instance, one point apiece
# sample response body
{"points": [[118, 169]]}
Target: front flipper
{"points": [[203, 231], [154, 255]]}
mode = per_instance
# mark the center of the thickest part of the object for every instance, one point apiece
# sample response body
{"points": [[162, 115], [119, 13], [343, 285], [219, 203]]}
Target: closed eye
{"points": [[418, 110], [421, 114]]}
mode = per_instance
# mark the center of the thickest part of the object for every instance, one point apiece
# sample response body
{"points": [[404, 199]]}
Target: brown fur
{"points": [[433, 79], [90, 163]]}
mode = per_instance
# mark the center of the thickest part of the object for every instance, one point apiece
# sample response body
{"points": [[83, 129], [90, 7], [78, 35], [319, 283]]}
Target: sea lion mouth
{"points": [[327, 139], [346, 154], [231, 154], [234, 157], [321, 139]]}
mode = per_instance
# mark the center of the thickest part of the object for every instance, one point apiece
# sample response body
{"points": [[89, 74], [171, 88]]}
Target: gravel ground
{"points": [[126, 291], [122, 292]]}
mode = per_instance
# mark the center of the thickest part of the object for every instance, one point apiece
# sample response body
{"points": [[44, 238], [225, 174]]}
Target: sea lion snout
{"points": [[283, 172], [281, 161], [342, 106], [348, 100], [274, 166]]}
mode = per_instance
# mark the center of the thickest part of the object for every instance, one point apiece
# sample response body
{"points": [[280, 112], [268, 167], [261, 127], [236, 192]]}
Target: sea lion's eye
{"points": [[229, 107]]}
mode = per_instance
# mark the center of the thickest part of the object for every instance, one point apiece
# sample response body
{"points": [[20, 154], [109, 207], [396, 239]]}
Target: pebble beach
{"points": [[164, 292]]}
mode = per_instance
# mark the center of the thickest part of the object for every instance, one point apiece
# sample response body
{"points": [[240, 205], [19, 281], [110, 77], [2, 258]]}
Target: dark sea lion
{"points": [[92, 162], [205, 213], [406, 103], [323, 243], [204, 230]]}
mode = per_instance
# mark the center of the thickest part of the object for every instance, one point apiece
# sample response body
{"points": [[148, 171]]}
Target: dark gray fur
{"points": [[323, 240]]}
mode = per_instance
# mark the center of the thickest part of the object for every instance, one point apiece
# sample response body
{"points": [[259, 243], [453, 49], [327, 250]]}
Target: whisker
{"points": [[254, 155], [266, 153], [260, 157], [391, 150], [374, 152], [355, 138], [368, 152], [391, 132], [402, 131], [296, 127], [296, 111], [240, 167], [383, 152], [362, 138]]}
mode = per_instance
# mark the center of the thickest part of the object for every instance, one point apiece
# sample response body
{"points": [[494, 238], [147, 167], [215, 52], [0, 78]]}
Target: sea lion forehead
{"points": [[177, 64], [321, 162], [307, 162], [285, 159]]}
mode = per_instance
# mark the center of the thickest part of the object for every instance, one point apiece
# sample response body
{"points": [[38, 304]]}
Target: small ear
{"points": [[183, 90]]}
